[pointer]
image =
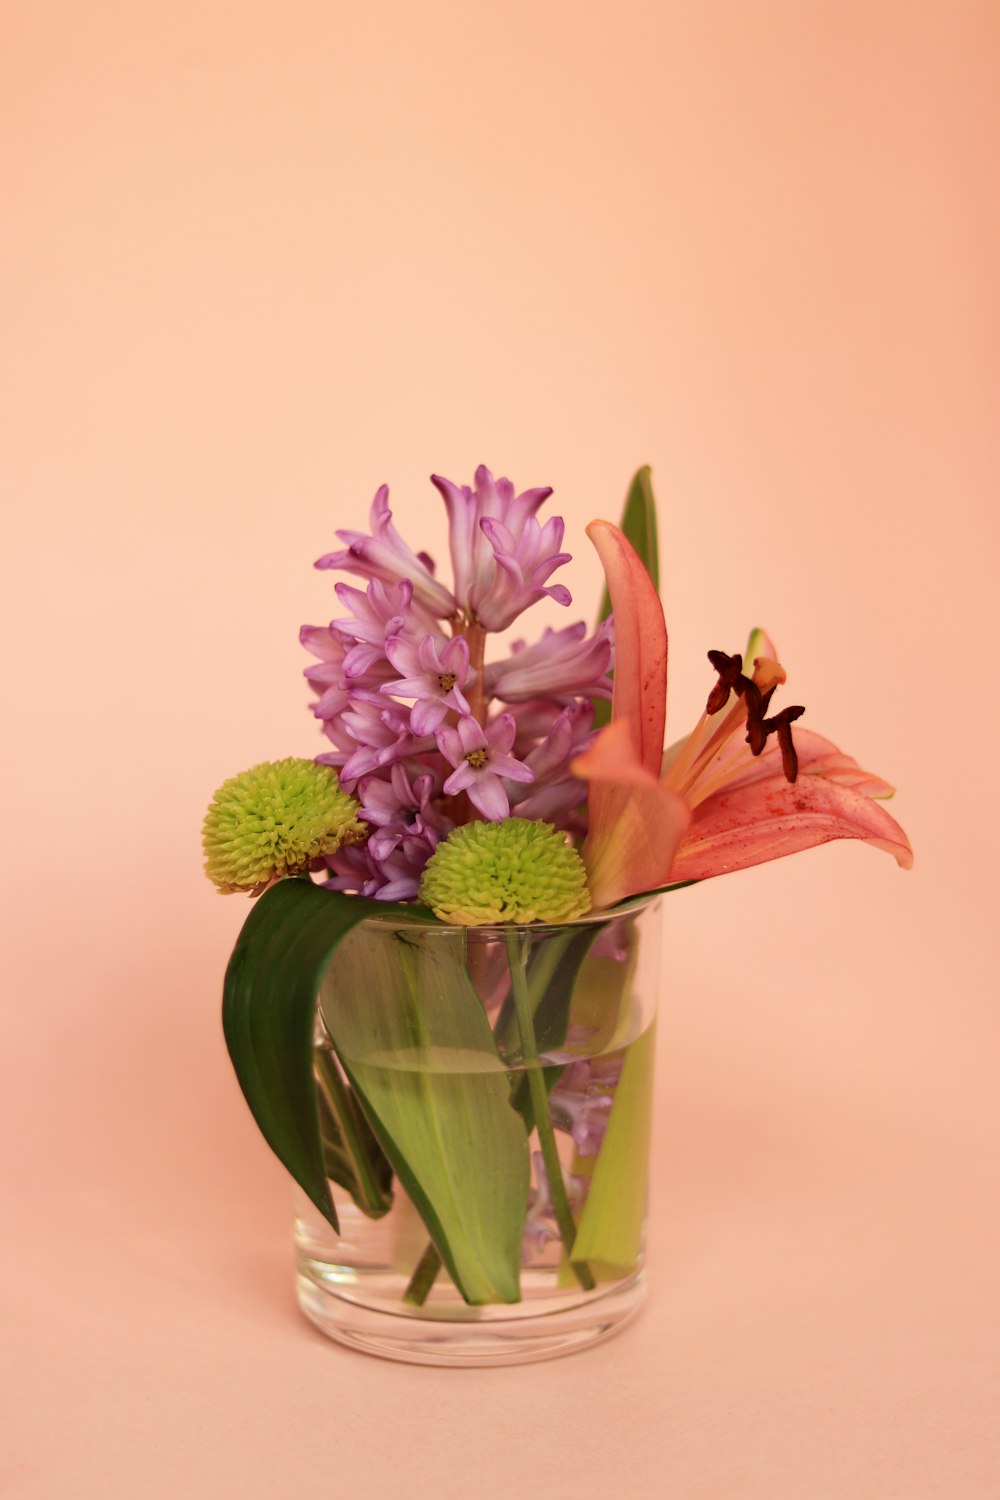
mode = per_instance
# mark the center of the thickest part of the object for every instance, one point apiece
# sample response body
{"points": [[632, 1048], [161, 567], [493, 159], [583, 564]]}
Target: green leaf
{"points": [[638, 522], [552, 970], [609, 1234], [352, 1156], [268, 1015], [413, 1039]]}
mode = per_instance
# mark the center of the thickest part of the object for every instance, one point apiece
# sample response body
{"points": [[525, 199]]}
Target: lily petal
{"points": [[817, 756], [640, 681], [770, 817], [644, 820]]}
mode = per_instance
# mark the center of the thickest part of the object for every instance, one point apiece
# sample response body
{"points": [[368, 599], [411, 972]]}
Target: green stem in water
{"points": [[540, 1109], [342, 1108], [423, 1278]]}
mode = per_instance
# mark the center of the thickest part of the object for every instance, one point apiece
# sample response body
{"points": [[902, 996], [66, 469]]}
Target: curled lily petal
{"points": [[770, 817], [640, 682], [817, 756], [644, 819], [634, 824]]}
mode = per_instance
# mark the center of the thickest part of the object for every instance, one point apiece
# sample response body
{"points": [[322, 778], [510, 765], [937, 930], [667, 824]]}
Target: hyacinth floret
{"points": [[500, 555], [562, 665], [555, 794], [424, 728], [435, 672], [386, 557], [582, 1098], [482, 760]]}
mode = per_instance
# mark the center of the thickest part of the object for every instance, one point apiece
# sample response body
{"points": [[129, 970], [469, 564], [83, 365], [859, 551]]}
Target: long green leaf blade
{"points": [[415, 1042], [609, 1234]]}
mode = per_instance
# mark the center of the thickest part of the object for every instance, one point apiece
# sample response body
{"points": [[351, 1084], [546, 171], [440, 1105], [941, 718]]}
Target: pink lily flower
{"points": [[712, 805]]}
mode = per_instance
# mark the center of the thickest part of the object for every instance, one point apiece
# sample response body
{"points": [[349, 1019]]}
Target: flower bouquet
{"points": [[441, 1007]]}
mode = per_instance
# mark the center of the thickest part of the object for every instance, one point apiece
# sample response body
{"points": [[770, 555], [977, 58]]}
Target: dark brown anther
{"points": [[730, 669], [759, 727], [756, 733], [781, 725]]}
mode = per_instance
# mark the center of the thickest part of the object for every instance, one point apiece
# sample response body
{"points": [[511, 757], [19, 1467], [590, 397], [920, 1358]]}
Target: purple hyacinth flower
{"points": [[326, 676], [582, 1100], [523, 563], [500, 555], [435, 672], [481, 757], [556, 793], [472, 558], [380, 732], [376, 613], [564, 664], [405, 794], [385, 556], [403, 810], [394, 876], [540, 1224]]}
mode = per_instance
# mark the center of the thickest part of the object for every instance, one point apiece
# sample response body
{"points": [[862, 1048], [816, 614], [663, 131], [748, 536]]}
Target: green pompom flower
{"points": [[279, 818], [515, 871]]}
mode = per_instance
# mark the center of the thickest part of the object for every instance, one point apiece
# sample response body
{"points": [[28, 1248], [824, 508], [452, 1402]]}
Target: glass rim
{"points": [[629, 907]]}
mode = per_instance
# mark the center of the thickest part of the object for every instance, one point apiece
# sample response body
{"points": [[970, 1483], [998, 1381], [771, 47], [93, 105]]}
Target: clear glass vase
{"points": [[485, 1097]]}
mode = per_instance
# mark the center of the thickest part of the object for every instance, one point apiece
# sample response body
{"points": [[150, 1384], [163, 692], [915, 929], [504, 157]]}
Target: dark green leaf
{"points": [[268, 1015]]}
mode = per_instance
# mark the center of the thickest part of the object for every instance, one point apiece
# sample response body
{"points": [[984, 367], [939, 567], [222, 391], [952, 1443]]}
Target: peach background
{"points": [[260, 257]]}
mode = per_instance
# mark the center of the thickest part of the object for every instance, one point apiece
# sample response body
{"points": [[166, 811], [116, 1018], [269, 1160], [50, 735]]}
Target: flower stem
{"points": [[373, 1198], [475, 635], [424, 1277], [540, 1110]]}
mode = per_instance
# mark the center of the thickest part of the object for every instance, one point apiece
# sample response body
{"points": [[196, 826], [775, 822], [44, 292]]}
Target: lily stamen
{"points": [[781, 725], [730, 670], [695, 774]]}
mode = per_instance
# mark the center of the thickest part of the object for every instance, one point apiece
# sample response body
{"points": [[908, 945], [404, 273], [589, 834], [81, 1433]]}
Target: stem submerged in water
{"points": [[424, 1277], [540, 1109]]}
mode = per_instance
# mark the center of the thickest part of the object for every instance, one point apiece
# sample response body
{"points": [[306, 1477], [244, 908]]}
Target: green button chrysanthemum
{"points": [[515, 871], [278, 818]]}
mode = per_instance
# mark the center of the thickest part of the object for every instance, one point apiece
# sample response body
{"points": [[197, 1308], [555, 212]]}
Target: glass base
{"points": [[447, 1332]]}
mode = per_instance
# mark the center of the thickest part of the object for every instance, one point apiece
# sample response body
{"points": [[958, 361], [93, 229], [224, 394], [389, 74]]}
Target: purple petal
{"points": [[461, 778], [489, 797], [450, 744], [473, 736], [500, 735], [506, 765], [426, 714]]}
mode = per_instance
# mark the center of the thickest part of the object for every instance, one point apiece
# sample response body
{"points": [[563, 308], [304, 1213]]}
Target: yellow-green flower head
{"points": [[515, 871], [278, 818]]}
